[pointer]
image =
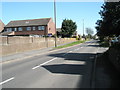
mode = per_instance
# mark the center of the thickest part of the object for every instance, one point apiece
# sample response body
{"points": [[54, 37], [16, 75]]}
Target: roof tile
{"points": [[31, 22]]}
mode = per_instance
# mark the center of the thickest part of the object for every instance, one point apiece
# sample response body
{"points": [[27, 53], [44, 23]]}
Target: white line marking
{"points": [[48, 61], [81, 47], [44, 63], [35, 67], [7, 80], [70, 51], [76, 49]]}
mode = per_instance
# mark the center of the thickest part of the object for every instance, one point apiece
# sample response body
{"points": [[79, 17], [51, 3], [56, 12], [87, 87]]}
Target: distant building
{"points": [[58, 31], [43, 27], [1, 26]]}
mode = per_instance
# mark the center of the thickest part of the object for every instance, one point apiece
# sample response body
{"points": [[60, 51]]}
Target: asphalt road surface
{"points": [[67, 68]]}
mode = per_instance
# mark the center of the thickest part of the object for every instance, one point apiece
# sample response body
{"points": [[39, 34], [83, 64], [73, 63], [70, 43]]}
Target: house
{"points": [[42, 27], [1, 25]]}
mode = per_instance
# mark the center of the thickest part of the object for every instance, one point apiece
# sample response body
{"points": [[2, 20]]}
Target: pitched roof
{"points": [[30, 22]]}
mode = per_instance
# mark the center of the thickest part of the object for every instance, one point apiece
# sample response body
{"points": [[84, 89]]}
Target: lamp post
{"points": [[55, 22]]}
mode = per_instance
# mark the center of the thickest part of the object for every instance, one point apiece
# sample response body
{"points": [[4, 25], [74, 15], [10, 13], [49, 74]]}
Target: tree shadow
{"points": [[75, 68], [94, 45], [75, 56], [61, 69]]}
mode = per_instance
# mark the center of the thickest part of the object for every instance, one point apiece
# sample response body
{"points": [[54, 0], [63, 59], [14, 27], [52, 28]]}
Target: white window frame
{"points": [[41, 27], [9, 29], [28, 28]]}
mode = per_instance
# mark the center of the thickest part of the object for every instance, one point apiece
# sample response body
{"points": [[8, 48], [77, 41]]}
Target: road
{"points": [[66, 68]]}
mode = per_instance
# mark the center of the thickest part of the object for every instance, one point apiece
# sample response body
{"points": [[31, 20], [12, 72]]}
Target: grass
{"points": [[70, 44]]}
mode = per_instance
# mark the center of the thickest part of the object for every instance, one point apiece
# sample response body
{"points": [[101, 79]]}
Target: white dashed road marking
{"points": [[70, 51], [44, 63], [77, 49], [6, 80]]}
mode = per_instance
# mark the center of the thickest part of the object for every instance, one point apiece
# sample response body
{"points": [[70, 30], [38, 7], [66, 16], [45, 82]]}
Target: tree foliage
{"points": [[110, 23], [89, 31], [68, 28]]}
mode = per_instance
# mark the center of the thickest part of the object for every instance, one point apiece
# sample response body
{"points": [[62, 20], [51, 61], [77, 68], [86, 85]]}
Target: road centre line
{"points": [[44, 63], [70, 51], [76, 49], [6, 80]]}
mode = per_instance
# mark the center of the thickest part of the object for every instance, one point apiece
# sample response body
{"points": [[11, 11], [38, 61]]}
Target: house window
{"points": [[19, 29], [9, 29], [41, 28], [33, 28], [28, 28], [15, 29]]}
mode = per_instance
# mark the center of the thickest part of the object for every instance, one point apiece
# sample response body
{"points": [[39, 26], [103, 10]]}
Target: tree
{"points": [[110, 23], [68, 28], [89, 31]]}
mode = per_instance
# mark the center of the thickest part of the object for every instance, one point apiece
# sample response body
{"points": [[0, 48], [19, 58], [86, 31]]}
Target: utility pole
{"points": [[55, 22], [83, 27]]}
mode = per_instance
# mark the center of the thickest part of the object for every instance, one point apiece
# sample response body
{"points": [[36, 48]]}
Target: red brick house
{"points": [[43, 26], [1, 25]]}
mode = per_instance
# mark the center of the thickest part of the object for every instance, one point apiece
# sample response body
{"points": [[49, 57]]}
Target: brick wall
{"points": [[1, 25], [51, 27], [11, 45]]}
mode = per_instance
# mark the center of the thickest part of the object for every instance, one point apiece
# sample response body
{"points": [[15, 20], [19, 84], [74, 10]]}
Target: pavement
{"points": [[26, 54], [72, 67]]}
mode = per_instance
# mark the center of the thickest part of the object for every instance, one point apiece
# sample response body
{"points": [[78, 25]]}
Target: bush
{"points": [[116, 46], [114, 55]]}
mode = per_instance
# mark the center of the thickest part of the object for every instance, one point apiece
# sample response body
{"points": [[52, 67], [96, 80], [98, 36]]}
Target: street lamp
{"points": [[55, 22]]}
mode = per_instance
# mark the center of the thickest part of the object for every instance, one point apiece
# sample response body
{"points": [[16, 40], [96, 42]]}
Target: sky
{"points": [[76, 11]]}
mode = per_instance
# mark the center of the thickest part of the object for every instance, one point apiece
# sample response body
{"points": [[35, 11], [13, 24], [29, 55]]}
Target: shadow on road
{"points": [[61, 69], [93, 45], [75, 56], [82, 64]]}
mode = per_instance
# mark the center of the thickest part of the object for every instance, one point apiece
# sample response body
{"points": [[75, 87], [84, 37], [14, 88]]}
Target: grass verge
{"points": [[70, 44]]}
